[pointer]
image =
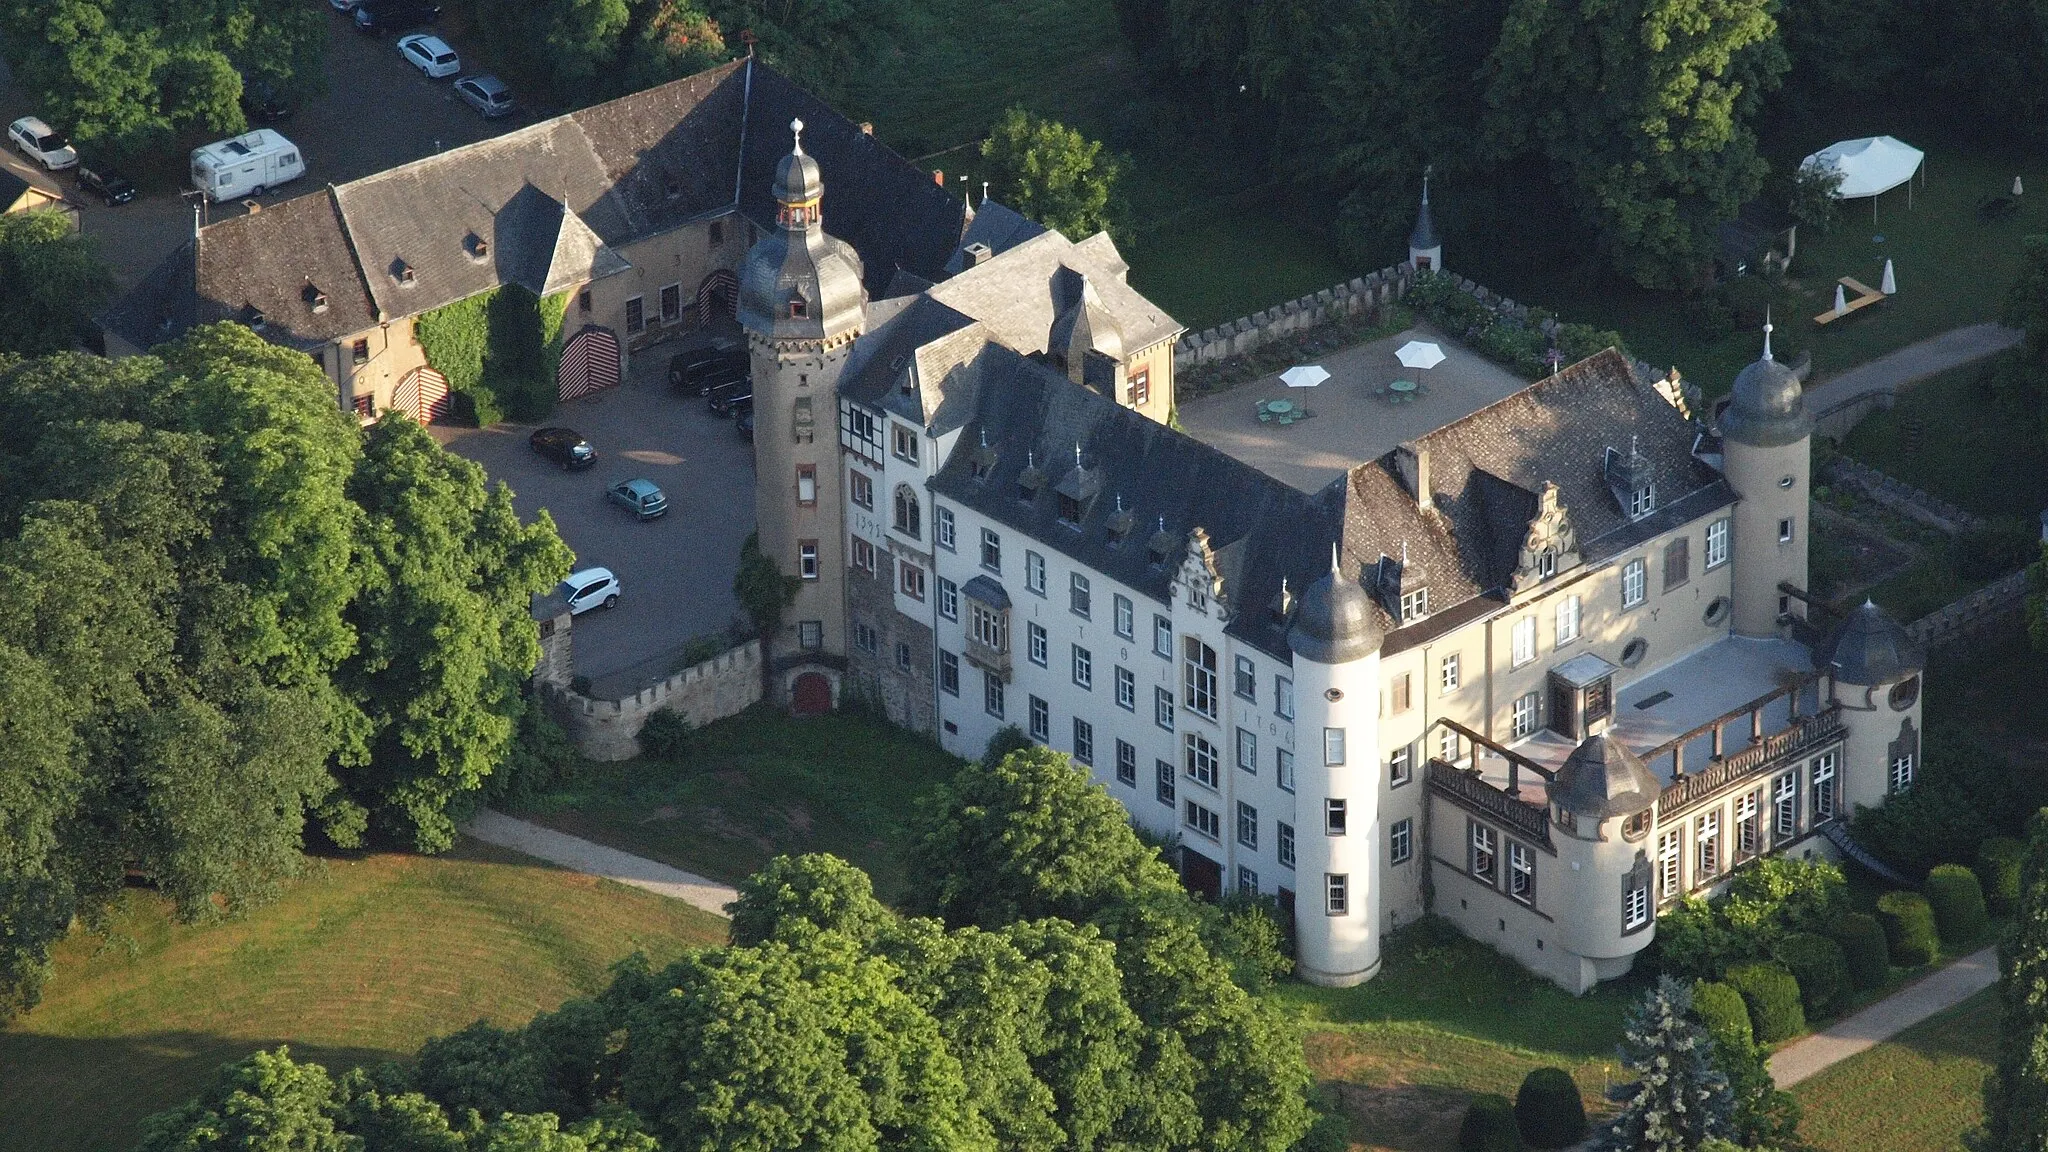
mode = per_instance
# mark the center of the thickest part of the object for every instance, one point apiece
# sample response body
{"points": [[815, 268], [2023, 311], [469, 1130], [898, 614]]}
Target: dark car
{"points": [[263, 103], [724, 396], [564, 446], [110, 186], [719, 362], [376, 17]]}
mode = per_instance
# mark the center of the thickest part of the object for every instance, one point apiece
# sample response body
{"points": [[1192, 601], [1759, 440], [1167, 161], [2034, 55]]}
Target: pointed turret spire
{"points": [[796, 148], [1425, 247], [1767, 331]]}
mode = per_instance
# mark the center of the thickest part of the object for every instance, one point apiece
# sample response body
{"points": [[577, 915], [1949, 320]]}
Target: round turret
{"points": [[797, 178], [1767, 407], [1335, 622], [1870, 649], [798, 283], [1602, 779]]}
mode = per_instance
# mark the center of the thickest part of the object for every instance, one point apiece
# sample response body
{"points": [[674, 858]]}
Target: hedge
{"points": [[1863, 947], [1957, 901], [1820, 967], [1722, 1012], [1998, 870], [499, 350], [1489, 1126], [1548, 1110], [1772, 995], [1908, 928]]}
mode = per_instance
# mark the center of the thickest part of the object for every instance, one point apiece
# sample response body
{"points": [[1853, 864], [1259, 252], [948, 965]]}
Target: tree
{"points": [[2016, 1094], [264, 1100], [1679, 1100], [447, 638], [797, 895], [1052, 174], [764, 592], [1642, 109], [51, 282]]}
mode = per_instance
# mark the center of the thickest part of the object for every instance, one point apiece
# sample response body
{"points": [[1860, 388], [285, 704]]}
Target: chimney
{"points": [[939, 178], [254, 206], [1413, 461], [977, 254], [867, 128]]}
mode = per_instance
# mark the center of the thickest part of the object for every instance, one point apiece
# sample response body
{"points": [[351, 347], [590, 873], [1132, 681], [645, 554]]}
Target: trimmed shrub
{"points": [[1863, 947], [1908, 928], [1548, 1110], [1820, 967], [1489, 1126], [1721, 1010], [1998, 871], [665, 736], [1957, 900], [1771, 994]]}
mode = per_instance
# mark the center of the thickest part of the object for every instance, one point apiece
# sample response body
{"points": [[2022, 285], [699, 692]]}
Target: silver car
{"points": [[486, 94]]}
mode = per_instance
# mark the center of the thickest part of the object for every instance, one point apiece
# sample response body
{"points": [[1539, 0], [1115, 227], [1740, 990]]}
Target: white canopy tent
{"points": [[1869, 166]]}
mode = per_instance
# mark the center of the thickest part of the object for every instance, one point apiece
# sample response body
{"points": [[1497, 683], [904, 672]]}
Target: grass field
{"points": [[1445, 1018], [756, 786], [1953, 436], [1918, 1092], [360, 961]]}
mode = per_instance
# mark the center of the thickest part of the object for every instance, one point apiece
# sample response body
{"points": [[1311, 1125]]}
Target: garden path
{"points": [[1887, 1018], [592, 859], [1917, 361]]}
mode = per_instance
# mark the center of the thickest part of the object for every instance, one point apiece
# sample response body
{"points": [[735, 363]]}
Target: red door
{"points": [[811, 695]]}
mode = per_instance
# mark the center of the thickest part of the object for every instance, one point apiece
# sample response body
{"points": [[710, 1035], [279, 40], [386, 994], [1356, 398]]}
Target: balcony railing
{"points": [[1528, 820], [1823, 727], [996, 660]]}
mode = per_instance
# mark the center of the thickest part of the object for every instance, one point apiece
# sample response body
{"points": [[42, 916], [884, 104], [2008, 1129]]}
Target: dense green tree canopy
{"points": [[217, 611], [1052, 174], [51, 282], [2016, 1093]]}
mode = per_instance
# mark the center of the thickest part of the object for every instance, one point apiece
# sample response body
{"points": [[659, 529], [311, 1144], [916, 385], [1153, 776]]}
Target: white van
{"points": [[247, 165]]}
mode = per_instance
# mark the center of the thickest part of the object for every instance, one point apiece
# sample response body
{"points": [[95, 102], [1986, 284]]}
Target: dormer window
{"points": [[405, 273], [798, 309], [314, 297], [1414, 605], [1642, 501], [1070, 511], [980, 467], [477, 247]]}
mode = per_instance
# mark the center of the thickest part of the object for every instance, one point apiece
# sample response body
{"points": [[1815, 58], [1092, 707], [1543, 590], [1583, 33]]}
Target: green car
{"points": [[640, 497]]}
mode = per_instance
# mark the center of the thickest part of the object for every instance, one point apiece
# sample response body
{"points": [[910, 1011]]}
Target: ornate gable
{"points": [[1200, 579], [1551, 545]]}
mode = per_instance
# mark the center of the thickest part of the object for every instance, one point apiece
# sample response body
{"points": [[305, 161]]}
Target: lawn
{"points": [[1917, 1092], [360, 961], [1445, 1018], [1953, 436], [758, 785]]}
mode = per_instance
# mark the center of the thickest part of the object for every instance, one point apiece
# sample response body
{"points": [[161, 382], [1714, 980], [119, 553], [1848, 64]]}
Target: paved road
{"points": [[676, 571], [597, 860], [1935, 354], [1886, 1018]]}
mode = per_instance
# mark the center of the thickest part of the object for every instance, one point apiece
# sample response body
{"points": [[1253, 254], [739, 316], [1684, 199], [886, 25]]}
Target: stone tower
{"points": [[1425, 246], [1874, 667], [1767, 441], [802, 303], [1336, 643], [1602, 810]]}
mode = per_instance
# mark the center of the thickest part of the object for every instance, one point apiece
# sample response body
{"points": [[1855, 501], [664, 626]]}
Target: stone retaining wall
{"points": [[1898, 496], [1992, 605], [1247, 333], [610, 729]]}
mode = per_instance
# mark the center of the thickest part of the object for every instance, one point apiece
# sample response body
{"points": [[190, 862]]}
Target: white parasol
{"points": [[1304, 376], [1419, 354]]}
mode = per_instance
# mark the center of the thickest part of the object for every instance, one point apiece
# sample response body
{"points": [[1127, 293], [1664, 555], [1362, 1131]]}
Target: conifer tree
{"points": [[1679, 1101], [2016, 1095]]}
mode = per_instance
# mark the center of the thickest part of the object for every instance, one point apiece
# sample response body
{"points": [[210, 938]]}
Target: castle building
{"points": [[1541, 671]]}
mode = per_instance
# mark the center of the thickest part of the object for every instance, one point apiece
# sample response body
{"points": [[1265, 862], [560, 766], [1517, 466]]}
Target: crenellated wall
{"points": [[1247, 333], [1994, 604], [722, 686]]}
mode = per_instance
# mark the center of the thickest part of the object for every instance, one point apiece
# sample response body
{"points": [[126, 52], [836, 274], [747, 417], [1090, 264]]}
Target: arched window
{"points": [[908, 519]]}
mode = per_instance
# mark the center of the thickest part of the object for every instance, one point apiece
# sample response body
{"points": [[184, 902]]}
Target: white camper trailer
{"points": [[246, 165]]}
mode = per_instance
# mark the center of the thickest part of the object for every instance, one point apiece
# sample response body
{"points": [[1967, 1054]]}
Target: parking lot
{"points": [[378, 112], [676, 571]]}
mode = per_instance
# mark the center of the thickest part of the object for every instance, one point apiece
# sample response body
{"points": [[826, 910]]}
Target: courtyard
{"points": [[1354, 416], [676, 571]]}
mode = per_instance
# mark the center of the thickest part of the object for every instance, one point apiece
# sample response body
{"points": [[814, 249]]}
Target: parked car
{"points": [[110, 186], [564, 446], [640, 497], [42, 144], [590, 588], [723, 359], [376, 17], [486, 94], [430, 54], [247, 165], [263, 102], [724, 396]]}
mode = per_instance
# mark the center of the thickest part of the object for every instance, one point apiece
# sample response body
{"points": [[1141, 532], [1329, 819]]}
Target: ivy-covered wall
{"points": [[499, 351]]}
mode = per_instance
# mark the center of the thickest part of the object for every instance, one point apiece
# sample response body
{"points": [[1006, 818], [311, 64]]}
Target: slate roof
{"points": [[1261, 529], [11, 187], [576, 185], [1000, 228], [1015, 295]]}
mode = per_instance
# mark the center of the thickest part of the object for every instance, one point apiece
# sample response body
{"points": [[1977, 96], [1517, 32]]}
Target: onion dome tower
{"points": [[1336, 638]]}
